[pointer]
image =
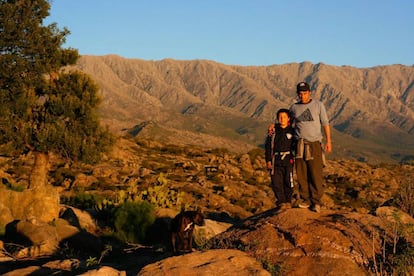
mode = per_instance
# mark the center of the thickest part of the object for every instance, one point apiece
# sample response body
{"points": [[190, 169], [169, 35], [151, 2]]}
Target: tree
{"points": [[45, 107]]}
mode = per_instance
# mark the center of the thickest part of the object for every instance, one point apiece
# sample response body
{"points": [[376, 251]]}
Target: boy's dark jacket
{"points": [[283, 142]]}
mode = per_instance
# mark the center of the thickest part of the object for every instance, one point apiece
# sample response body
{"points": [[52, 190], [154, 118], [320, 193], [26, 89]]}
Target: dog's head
{"points": [[198, 219]]}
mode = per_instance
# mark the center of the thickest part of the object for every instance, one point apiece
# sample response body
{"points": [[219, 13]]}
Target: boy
{"points": [[279, 158]]}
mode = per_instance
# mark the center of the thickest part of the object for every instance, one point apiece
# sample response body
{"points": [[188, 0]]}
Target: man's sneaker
{"points": [[303, 205], [316, 208], [285, 205]]}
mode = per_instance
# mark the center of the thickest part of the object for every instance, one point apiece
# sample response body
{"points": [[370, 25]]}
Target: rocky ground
{"points": [[244, 233]]}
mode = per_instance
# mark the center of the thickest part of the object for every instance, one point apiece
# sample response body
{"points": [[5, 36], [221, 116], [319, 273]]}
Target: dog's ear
{"points": [[182, 208]]}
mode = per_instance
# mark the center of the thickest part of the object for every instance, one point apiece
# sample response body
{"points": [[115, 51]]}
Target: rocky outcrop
{"points": [[37, 238], [40, 204], [302, 242], [288, 242], [212, 262], [104, 271]]}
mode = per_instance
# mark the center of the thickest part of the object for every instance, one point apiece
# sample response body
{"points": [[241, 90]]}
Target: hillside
{"points": [[238, 194], [371, 109]]}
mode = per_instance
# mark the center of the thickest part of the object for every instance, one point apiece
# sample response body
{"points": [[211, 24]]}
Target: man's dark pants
{"points": [[310, 175]]}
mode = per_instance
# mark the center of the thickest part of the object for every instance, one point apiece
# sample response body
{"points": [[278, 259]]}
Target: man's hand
{"points": [[328, 147], [271, 129]]}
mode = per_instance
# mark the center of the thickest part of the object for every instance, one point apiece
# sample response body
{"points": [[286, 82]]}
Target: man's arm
{"points": [[328, 146], [268, 151], [271, 129]]}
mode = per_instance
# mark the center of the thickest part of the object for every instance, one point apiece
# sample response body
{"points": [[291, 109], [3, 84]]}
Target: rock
{"points": [[301, 242], [65, 230], [5, 214], [38, 238], [212, 262], [65, 265], [393, 214], [78, 239], [83, 180], [30, 270], [104, 271], [213, 228], [395, 218], [78, 218], [245, 163], [40, 204]]}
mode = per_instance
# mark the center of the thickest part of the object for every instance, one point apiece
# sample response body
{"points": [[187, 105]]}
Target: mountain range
{"points": [[210, 104]]}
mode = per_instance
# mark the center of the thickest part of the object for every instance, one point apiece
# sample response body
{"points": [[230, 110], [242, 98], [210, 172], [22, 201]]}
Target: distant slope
{"points": [[371, 109]]}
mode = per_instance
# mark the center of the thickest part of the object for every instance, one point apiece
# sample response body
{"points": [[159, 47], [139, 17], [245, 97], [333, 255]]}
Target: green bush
{"points": [[82, 200], [132, 220]]}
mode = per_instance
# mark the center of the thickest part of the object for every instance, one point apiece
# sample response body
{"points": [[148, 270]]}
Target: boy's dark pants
{"points": [[281, 183], [309, 174]]}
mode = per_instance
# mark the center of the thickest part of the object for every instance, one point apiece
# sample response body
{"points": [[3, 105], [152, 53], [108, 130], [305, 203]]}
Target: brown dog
{"points": [[182, 227]]}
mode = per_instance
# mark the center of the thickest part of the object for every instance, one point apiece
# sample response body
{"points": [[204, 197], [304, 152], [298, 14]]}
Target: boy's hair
{"points": [[282, 110]]}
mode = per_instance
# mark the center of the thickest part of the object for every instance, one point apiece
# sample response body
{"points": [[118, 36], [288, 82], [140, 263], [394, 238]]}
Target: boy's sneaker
{"points": [[316, 208]]}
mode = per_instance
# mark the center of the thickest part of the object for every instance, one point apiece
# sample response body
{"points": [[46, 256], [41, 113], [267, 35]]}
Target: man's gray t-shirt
{"points": [[308, 120]]}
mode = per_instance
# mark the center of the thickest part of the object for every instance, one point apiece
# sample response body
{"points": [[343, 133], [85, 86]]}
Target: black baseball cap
{"points": [[302, 86]]}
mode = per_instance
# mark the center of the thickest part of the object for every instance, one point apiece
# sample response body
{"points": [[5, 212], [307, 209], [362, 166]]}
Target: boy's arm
{"points": [[268, 148]]}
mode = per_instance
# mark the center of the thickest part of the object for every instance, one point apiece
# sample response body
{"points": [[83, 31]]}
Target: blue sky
{"points": [[359, 33]]}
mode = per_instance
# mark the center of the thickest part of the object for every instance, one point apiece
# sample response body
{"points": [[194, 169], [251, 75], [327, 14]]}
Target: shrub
{"points": [[405, 196], [132, 220], [83, 200]]}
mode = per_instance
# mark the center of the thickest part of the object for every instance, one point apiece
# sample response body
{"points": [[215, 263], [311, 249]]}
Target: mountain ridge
{"points": [[373, 107]]}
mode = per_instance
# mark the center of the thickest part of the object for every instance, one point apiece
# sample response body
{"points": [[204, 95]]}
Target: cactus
{"points": [[162, 180], [122, 196], [160, 195]]}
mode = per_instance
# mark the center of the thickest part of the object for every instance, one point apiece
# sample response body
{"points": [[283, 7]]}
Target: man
{"points": [[309, 118]]}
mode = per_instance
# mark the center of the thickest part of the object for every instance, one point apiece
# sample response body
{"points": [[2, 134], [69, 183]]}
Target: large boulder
{"points": [[38, 238], [40, 204], [104, 271], [212, 262], [301, 242], [35, 238]]}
